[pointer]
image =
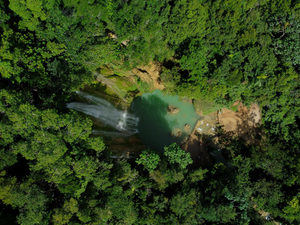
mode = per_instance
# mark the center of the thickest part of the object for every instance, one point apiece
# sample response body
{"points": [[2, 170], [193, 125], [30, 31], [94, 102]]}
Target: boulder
{"points": [[176, 132], [172, 109], [187, 127]]}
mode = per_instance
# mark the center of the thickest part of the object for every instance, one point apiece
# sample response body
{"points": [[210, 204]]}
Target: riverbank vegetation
{"points": [[54, 171]]}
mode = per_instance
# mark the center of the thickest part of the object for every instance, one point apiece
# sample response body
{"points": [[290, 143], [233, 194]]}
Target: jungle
{"points": [[149, 112]]}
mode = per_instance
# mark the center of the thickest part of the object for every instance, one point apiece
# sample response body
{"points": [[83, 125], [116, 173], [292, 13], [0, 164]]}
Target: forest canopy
{"points": [[54, 170]]}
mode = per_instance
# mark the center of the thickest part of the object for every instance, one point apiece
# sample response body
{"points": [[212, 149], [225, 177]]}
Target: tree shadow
{"points": [[198, 152], [249, 130], [201, 147], [154, 130]]}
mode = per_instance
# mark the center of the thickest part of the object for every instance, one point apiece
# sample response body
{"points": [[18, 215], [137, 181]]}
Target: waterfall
{"points": [[104, 111]]}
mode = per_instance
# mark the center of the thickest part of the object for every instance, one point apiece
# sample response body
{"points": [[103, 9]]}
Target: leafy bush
{"points": [[149, 160], [176, 155]]}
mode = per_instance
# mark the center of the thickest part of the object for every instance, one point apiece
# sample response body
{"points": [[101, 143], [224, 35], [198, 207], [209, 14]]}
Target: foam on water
{"points": [[106, 113]]}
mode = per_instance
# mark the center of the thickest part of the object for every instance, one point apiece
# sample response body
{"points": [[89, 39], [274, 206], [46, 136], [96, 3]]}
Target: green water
{"points": [[156, 124]]}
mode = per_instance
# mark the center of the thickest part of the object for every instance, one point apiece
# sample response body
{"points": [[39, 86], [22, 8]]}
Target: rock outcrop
{"points": [[150, 74], [172, 109], [177, 132], [187, 128]]}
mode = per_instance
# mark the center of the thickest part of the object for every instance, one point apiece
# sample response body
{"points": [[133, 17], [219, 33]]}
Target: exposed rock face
{"points": [[112, 35], [172, 109], [120, 80], [125, 42], [150, 74]]}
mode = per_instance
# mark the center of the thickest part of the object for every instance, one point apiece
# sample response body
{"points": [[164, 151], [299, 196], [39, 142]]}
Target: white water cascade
{"points": [[104, 111]]}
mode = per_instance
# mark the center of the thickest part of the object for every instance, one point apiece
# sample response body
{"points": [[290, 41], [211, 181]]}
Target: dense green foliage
{"points": [[177, 156], [54, 171], [149, 160]]}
